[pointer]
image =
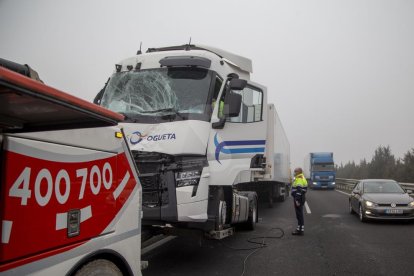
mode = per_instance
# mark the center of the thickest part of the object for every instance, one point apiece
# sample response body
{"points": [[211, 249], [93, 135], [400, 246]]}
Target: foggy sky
{"points": [[340, 73]]}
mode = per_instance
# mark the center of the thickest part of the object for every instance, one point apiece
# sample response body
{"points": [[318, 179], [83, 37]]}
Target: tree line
{"points": [[383, 165]]}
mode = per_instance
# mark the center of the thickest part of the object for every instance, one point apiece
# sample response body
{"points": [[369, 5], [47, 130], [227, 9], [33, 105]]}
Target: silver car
{"points": [[380, 199]]}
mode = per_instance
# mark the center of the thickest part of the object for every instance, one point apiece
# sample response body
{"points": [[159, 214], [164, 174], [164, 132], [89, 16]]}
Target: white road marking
{"points": [[6, 231], [307, 208], [342, 192], [121, 186]]}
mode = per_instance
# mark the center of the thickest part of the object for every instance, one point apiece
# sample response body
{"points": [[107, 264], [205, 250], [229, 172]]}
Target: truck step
{"points": [[220, 234]]}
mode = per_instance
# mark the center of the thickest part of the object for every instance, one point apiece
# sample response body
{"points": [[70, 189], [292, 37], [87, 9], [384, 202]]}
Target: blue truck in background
{"points": [[319, 170]]}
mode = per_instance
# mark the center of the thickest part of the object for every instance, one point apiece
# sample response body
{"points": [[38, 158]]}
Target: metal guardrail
{"points": [[347, 185]]}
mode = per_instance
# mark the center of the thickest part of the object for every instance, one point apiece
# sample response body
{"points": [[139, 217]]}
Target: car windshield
{"points": [[382, 187], [153, 94]]}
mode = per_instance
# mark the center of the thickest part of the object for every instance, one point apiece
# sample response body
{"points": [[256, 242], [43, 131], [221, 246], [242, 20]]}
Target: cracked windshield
{"points": [[159, 92]]}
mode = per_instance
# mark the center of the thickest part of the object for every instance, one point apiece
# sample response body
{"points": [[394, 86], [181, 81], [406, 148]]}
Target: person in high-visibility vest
{"points": [[221, 108], [299, 188]]}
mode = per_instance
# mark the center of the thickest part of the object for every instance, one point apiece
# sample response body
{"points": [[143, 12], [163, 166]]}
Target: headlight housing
{"points": [[411, 204], [369, 203], [187, 178], [188, 171]]}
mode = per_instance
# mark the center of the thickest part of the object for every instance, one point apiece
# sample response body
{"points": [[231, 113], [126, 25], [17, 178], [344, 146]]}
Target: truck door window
{"points": [[251, 106], [217, 86]]}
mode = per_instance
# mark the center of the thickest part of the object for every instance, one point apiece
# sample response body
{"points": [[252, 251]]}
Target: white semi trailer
{"points": [[204, 137]]}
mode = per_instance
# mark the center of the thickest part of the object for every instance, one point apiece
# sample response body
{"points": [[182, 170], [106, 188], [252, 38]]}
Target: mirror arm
{"points": [[220, 124]]}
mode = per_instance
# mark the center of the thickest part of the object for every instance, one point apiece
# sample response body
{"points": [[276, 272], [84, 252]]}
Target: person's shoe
{"points": [[298, 232]]}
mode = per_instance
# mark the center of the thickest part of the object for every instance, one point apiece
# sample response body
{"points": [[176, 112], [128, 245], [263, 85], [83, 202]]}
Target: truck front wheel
{"points": [[222, 215], [251, 221], [221, 211]]}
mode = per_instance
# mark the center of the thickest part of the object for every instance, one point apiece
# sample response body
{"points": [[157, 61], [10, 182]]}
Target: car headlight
{"points": [[315, 183], [333, 183], [187, 178], [369, 204], [411, 204]]}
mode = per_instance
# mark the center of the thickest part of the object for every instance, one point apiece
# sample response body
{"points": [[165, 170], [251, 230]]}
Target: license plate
{"points": [[394, 211]]}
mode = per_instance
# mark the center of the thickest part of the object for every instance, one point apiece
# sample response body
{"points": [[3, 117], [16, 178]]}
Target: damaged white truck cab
{"points": [[198, 129]]}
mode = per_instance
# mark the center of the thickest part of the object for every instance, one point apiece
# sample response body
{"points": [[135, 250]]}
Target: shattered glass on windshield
{"points": [[129, 92], [158, 92]]}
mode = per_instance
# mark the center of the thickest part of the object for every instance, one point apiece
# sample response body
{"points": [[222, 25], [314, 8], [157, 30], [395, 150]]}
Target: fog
{"points": [[340, 73]]}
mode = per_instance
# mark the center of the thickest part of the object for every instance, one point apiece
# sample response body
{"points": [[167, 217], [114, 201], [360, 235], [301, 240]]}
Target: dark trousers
{"points": [[299, 213]]}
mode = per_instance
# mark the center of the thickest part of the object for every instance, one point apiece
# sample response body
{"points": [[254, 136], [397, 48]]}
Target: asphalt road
{"points": [[335, 243]]}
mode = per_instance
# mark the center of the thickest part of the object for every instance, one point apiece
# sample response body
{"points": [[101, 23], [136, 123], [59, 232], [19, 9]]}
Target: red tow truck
{"points": [[70, 197]]}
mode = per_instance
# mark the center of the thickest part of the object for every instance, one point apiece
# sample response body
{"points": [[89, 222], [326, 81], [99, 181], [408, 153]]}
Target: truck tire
{"points": [[221, 215], [282, 197], [100, 267], [271, 201], [251, 221]]}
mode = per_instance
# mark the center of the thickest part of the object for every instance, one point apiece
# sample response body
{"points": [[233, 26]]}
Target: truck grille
{"points": [[152, 167], [157, 175]]}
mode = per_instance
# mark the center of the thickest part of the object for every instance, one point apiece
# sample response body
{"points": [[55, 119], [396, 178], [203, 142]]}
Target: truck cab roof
{"points": [[221, 61]]}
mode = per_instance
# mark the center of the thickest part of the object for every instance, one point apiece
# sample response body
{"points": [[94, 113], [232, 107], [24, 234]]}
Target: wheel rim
{"points": [[223, 211], [254, 215]]}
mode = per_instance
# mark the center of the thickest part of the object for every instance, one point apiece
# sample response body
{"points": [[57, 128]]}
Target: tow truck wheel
{"points": [[99, 267]]}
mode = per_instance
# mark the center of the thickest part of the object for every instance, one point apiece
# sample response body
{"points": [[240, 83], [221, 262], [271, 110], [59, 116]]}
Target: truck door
{"points": [[232, 147]]}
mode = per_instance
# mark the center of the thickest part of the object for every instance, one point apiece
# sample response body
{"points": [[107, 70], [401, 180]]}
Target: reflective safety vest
{"points": [[300, 181], [221, 108]]}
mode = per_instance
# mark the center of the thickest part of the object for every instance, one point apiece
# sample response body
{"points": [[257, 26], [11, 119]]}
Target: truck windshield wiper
{"points": [[160, 110], [170, 109]]}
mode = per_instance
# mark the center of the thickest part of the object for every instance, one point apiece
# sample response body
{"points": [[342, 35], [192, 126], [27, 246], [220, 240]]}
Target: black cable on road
{"points": [[254, 240]]}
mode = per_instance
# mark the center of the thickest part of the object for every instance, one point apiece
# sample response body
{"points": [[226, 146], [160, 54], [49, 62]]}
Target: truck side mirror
{"points": [[232, 105], [232, 101], [237, 84]]}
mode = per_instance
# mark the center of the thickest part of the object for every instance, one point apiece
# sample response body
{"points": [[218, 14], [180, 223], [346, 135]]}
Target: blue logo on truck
{"points": [[224, 147], [137, 137]]}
